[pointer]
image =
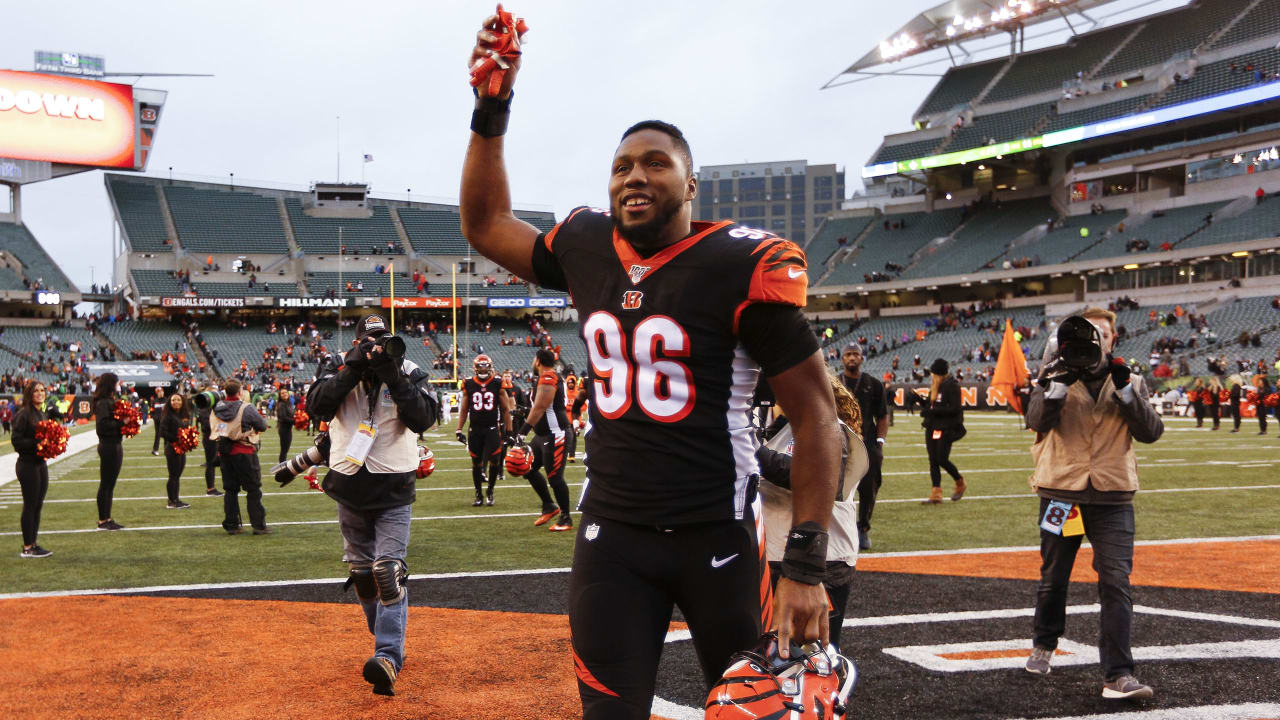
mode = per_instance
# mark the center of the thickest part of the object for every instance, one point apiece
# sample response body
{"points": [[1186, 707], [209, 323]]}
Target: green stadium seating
{"points": [[226, 221], [319, 236], [138, 205], [37, 264]]}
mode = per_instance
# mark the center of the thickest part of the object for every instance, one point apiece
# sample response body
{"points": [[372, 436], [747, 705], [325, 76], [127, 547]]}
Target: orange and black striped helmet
{"points": [[812, 684]]}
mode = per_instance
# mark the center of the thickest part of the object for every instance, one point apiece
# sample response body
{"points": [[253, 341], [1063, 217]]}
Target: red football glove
{"points": [[492, 69]]}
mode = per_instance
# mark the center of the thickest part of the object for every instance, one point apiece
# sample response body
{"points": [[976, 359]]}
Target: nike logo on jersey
{"points": [[716, 562], [794, 272]]}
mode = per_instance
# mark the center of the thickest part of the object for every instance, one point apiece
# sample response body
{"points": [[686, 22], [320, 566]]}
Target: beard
{"points": [[647, 236]]}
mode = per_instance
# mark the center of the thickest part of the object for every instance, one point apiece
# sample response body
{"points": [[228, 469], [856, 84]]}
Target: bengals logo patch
{"points": [[631, 299]]}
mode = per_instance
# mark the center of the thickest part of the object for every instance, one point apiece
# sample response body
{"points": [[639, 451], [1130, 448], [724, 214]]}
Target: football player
{"points": [[550, 424], [571, 393], [680, 318], [489, 408]]}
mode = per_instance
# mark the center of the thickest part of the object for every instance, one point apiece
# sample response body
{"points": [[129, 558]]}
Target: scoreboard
{"points": [[74, 123]]}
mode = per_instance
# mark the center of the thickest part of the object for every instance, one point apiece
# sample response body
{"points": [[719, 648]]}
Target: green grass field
{"points": [[1197, 483]]}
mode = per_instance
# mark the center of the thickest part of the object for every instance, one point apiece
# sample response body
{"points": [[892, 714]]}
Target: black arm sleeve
{"points": [[948, 402], [1043, 415], [24, 432], [1144, 424], [169, 427], [546, 267], [331, 387], [776, 336], [253, 419], [415, 404]]}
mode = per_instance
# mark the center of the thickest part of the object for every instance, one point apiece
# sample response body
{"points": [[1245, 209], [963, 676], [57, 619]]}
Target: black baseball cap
{"points": [[370, 325]]}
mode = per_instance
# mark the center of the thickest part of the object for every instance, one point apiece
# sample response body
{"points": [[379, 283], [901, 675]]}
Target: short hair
{"points": [[546, 358], [231, 387], [667, 129], [1094, 312]]}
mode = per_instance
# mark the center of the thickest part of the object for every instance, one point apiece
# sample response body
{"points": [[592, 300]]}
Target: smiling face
{"points": [[650, 190], [38, 395], [175, 401]]}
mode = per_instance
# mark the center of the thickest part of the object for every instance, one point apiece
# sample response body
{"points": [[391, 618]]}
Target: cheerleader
{"points": [[110, 447], [33, 473], [176, 416]]}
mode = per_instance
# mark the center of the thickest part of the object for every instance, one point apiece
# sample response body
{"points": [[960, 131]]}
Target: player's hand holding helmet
{"points": [[811, 684], [519, 459], [426, 462]]}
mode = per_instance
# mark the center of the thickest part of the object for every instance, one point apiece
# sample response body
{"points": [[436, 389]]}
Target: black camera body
{"points": [[207, 399], [393, 346], [1079, 344], [317, 454]]}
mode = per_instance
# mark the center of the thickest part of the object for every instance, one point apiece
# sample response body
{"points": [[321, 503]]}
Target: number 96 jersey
{"points": [[671, 380]]}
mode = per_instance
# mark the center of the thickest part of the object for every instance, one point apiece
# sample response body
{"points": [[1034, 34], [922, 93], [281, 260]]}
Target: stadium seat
{"points": [[826, 241], [1164, 36], [881, 245], [984, 237], [220, 221], [959, 86], [37, 265], [1048, 69], [990, 129], [138, 205], [319, 235]]}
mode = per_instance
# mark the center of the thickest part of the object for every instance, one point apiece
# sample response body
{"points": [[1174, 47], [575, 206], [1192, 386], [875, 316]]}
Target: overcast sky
{"points": [[741, 79]]}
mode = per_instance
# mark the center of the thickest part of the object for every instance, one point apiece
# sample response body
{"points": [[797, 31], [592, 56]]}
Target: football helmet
{"points": [[426, 462], [519, 460], [812, 684], [483, 367]]}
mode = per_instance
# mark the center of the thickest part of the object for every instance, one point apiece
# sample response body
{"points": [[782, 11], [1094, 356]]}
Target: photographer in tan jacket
{"points": [[1087, 411]]}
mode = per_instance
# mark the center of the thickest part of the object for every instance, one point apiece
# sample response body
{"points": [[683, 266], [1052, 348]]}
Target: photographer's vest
{"points": [[1090, 445], [395, 447]]}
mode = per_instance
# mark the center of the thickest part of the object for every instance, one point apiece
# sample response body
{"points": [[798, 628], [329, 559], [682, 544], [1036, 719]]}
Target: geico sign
{"points": [[67, 106], [519, 302]]}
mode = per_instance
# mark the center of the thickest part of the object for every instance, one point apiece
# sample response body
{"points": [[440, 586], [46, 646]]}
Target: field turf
{"points": [[1220, 488]]}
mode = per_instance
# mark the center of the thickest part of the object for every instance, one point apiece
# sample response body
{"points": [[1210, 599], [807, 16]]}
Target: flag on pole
{"points": [[368, 158], [1011, 368]]}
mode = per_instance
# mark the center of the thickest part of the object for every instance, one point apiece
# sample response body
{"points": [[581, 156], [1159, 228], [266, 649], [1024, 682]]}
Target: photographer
{"points": [[236, 425], [1087, 411], [376, 403]]}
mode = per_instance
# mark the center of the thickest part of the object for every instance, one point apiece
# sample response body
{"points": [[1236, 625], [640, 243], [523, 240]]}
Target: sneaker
{"points": [[478, 501], [935, 497], [110, 524], [263, 531], [1126, 687], [178, 505], [1038, 663], [1236, 430], [35, 551], [155, 452], [960, 488], [488, 499], [564, 524], [864, 540], [235, 531], [546, 517], [380, 673], [213, 492]]}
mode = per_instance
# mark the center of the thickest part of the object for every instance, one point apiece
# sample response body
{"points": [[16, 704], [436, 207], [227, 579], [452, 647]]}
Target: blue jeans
{"points": [[369, 536]]}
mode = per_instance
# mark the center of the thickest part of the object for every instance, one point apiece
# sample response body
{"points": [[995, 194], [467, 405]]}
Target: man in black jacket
{"points": [[238, 457], [376, 403], [284, 422], [870, 394]]}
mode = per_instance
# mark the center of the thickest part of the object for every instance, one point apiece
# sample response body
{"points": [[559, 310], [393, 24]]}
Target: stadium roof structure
{"points": [[955, 22]]}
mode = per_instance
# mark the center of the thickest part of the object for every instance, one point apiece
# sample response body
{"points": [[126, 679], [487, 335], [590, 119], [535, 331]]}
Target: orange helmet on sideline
{"points": [[426, 462], [519, 460], [813, 684]]}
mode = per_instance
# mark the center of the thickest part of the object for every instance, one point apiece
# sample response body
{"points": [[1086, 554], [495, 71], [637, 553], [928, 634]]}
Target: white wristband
{"points": [[880, 440], [1056, 391]]}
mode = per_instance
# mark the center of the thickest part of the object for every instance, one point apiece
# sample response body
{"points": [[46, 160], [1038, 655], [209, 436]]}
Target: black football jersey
{"points": [[670, 380], [483, 406], [554, 420]]}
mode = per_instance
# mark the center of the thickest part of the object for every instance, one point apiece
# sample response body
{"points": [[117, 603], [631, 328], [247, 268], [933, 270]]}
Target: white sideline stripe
{"points": [[78, 531], [1244, 711], [964, 615], [281, 493], [1144, 492], [268, 583], [1036, 548], [1213, 617], [76, 444]]}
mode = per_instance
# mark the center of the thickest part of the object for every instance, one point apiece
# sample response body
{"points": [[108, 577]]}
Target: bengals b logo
{"points": [[631, 299]]}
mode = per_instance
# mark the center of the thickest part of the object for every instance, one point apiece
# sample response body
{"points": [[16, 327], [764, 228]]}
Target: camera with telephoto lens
{"points": [[207, 399], [1079, 344], [392, 345], [318, 454]]}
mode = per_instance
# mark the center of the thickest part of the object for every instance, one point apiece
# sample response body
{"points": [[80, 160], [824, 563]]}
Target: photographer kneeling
{"points": [[1087, 411], [376, 403]]}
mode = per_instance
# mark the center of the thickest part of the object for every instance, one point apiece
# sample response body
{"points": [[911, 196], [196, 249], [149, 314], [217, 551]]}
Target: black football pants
{"points": [[485, 446], [625, 581], [548, 455], [111, 457]]}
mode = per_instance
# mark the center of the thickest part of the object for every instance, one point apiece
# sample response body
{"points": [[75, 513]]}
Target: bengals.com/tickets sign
{"points": [[66, 120]]}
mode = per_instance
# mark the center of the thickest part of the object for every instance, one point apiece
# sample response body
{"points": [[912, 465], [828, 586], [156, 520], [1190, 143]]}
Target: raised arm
{"points": [[485, 198]]}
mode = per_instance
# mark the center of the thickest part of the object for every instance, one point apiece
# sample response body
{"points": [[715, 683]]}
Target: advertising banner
{"points": [[202, 302], [433, 303], [66, 120], [973, 396], [136, 374], [312, 302], [527, 302]]}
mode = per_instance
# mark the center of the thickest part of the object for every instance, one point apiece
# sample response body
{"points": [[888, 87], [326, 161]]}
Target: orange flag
{"points": [[1011, 368]]}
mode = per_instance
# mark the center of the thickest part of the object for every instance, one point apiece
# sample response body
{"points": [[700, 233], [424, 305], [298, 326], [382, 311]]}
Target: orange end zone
{"points": [[1235, 566]]}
